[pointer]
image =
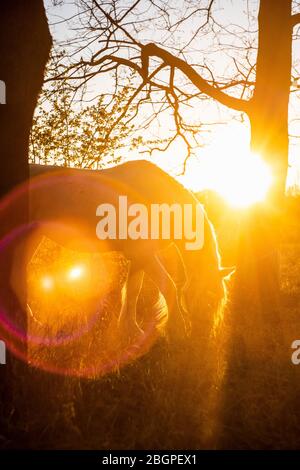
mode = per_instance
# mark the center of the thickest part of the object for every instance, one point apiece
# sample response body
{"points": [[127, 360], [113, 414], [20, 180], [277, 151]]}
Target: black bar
{"points": [[137, 459]]}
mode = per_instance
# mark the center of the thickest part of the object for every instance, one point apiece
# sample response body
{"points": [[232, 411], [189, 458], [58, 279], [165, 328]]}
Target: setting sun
{"points": [[231, 170], [242, 180]]}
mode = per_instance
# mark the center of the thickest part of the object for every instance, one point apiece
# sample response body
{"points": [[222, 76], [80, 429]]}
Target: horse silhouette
{"points": [[68, 198]]}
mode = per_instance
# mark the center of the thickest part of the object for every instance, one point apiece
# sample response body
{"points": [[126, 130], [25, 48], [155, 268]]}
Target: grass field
{"points": [[236, 388]]}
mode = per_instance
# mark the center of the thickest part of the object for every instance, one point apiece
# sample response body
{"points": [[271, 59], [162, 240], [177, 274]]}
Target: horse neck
{"points": [[207, 257]]}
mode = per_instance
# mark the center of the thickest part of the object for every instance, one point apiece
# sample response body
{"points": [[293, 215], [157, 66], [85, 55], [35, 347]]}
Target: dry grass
{"points": [[237, 389]]}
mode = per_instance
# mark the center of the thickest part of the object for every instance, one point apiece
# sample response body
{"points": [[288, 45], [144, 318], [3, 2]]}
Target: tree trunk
{"points": [[269, 106], [258, 267], [25, 44]]}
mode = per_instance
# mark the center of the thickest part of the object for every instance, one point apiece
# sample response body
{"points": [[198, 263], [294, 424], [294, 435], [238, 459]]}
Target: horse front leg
{"points": [[178, 320]]}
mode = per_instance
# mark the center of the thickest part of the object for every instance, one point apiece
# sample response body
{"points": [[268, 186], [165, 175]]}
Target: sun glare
{"points": [[230, 169], [242, 180]]}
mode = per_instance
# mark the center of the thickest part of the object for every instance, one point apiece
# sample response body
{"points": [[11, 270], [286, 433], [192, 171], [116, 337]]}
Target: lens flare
{"points": [[76, 273], [74, 331], [47, 283]]}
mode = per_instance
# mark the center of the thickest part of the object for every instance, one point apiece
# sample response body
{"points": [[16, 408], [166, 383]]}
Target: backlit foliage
{"points": [[69, 132]]}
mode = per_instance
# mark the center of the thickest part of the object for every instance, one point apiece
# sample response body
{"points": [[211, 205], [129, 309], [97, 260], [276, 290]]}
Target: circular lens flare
{"points": [[76, 330], [76, 273]]}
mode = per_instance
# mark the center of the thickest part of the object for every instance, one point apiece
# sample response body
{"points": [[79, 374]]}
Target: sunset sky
{"points": [[226, 135]]}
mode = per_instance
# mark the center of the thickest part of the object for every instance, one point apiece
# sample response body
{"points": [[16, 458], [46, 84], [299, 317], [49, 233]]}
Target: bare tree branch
{"points": [[202, 85], [295, 19]]}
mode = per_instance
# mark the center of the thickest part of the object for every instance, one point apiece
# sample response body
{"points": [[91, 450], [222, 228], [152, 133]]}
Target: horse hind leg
{"points": [[23, 252], [13, 283], [130, 295]]}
